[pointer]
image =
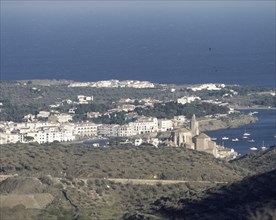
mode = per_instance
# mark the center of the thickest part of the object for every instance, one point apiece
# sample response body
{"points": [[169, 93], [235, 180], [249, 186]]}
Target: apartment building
{"points": [[86, 129]]}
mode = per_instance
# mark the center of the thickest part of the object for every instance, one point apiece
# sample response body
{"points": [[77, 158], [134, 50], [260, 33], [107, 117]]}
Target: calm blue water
{"points": [[179, 42], [263, 130]]}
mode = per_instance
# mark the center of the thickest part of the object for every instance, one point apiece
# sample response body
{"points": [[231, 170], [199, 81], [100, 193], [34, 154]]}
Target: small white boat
{"points": [[213, 139], [251, 140], [253, 148], [245, 134], [263, 146], [235, 139], [225, 138]]}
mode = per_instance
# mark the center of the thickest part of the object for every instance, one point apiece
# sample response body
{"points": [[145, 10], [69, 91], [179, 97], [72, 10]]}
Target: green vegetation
{"points": [[234, 201], [20, 99], [246, 90], [13, 112], [113, 118], [264, 100], [122, 161], [93, 107], [77, 177], [171, 109]]}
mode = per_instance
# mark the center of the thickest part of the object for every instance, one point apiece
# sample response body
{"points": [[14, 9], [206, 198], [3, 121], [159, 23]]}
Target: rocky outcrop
{"points": [[27, 192], [226, 122], [29, 201], [21, 185]]}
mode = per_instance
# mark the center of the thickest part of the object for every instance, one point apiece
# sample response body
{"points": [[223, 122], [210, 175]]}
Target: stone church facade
{"points": [[193, 139]]}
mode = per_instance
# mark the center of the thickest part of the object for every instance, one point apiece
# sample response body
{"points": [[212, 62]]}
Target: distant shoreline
{"points": [[256, 108], [54, 81]]}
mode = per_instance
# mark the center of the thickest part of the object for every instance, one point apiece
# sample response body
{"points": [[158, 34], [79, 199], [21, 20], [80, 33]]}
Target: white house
{"points": [[51, 134], [93, 114], [43, 114], [207, 86], [84, 99], [125, 131], [165, 125], [145, 125], [29, 117], [187, 99], [109, 130], [11, 137], [3, 138], [61, 118]]}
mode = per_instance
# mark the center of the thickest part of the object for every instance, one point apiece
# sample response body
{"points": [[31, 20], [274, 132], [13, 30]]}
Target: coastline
{"points": [[254, 108], [226, 123], [262, 133]]}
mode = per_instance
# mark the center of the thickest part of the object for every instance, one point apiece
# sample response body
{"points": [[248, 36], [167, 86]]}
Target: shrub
{"points": [[46, 180]]}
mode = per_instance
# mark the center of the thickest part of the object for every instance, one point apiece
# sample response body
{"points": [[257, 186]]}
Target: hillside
{"points": [[258, 162], [124, 182], [116, 162], [252, 198]]}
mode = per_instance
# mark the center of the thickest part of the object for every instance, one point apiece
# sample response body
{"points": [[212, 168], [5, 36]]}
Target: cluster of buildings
{"points": [[114, 84], [40, 132], [63, 130], [47, 132], [193, 139], [50, 126], [207, 86]]}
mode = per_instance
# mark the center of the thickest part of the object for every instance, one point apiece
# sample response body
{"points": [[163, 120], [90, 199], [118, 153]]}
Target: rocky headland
{"points": [[226, 122]]}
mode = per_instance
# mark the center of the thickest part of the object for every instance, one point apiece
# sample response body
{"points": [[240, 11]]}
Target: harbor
{"points": [[252, 137]]}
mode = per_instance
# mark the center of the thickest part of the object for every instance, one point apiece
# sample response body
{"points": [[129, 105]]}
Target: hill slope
{"points": [[252, 198], [116, 162], [74, 182], [258, 162]]}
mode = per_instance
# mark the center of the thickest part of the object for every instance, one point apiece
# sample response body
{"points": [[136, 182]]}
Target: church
{"points": [[193, 139]]}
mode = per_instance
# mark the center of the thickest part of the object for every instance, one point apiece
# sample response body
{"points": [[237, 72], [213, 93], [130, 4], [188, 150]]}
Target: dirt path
{"points": [[154, 182], [133, 181]]}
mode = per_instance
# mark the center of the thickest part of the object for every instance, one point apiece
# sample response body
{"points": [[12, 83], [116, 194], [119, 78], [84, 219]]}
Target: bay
{"points": [[261, 132]]}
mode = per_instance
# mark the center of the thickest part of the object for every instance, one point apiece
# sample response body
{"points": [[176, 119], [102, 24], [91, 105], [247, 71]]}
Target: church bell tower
{"points": [[194, 126]]}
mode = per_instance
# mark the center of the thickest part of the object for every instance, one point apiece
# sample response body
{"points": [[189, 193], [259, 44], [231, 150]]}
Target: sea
{"points": [[178, 42], [262, 133]]}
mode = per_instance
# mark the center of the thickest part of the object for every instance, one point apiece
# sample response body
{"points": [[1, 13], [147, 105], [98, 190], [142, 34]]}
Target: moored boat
{"points": [[246, 134], [251, 140], [263, 146], [235, 139], [253, 148]]}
